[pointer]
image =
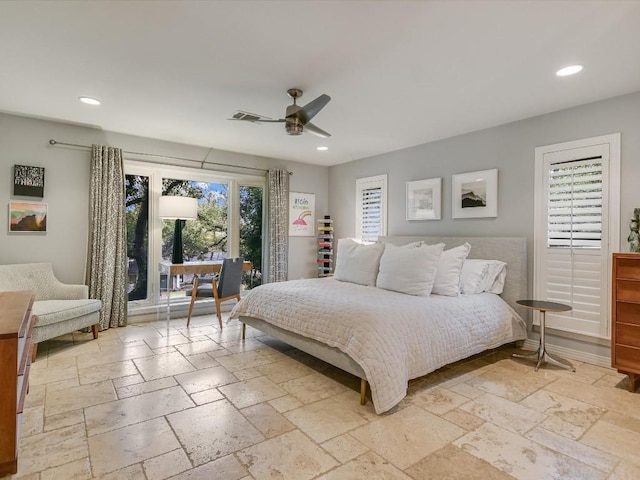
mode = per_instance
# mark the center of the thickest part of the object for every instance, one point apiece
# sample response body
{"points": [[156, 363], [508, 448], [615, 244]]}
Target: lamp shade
{"points": [[183, 208]]}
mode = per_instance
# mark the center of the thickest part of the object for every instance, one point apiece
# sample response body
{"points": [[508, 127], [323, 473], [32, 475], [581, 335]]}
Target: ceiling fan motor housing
{"points": [[294, 126]]}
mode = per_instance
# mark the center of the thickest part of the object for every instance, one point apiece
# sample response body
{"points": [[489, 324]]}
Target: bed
{"points": [[387, 338]]}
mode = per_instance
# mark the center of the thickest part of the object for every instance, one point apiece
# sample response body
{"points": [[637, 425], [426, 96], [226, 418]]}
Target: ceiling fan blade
{"points": [[311, 128], [310, 110]]}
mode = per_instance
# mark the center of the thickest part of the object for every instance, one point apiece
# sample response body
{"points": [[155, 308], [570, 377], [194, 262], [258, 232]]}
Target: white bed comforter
{"points": [[392, 336]]}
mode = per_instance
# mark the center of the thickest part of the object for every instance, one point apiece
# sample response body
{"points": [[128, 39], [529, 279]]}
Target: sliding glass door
{"points": [[251, 232], [203, 239], [229, 224], [137, 213]]}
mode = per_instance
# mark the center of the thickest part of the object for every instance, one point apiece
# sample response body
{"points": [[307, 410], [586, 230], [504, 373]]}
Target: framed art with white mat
{"points": [[475, 194], [424, 199]]}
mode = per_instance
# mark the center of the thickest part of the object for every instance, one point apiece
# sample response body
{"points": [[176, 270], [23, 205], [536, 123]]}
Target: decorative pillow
{"points": [[447, 280], [496, 275], [472, 276], [357, 262], [409, 269], [479, 276]]}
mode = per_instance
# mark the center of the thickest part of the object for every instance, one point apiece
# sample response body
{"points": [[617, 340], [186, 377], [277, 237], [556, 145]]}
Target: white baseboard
{"points": [[570, 353], [159, 312]]}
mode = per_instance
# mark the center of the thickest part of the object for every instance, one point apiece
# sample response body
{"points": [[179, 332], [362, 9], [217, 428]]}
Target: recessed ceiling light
{"points": [[322, 149], [570, 70], [90, 100]]}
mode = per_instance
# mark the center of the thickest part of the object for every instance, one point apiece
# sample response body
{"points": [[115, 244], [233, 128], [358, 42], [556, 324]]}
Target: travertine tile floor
{"points": [[152, 401]]}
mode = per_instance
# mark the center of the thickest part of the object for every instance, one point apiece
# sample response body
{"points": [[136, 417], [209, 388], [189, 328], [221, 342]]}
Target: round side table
{"points": [[541, 355]]}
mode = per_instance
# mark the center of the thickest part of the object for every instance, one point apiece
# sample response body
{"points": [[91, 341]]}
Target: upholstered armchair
{"points": [[58, 308]]}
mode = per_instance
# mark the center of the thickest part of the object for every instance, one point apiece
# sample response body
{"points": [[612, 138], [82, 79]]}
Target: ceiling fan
{"points": [[297, 119]]}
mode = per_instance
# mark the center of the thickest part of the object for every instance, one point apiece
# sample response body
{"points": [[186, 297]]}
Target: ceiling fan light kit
{"points": [[297, 119]]}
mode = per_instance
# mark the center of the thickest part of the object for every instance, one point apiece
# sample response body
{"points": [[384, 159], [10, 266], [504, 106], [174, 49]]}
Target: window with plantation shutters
{"points": [[574, 215], [371, 207], [577, 209]]}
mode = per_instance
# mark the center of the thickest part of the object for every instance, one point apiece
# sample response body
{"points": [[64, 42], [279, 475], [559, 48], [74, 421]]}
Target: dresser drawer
{"points": [[628, 359], [627, 268], [16, 326], [628, 335], [628, 313], [628, 290]]}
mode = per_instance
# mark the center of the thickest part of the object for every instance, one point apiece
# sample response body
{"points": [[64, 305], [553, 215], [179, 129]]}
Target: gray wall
{"points": [[24, 141], [511, 149]]}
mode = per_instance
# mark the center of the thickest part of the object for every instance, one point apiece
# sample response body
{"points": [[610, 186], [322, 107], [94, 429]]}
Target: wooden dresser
{"points": [[16, 325], [625, 315]]}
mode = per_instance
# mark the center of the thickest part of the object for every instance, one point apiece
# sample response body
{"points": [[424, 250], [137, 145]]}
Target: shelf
{"points": [[325, 246]]}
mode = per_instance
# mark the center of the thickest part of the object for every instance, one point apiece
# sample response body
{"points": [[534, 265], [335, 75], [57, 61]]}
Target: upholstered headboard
{"points": [[511, 250]]}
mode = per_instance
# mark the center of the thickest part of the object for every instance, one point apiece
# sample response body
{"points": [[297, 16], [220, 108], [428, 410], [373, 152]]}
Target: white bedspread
{"points": [[392, 336]]}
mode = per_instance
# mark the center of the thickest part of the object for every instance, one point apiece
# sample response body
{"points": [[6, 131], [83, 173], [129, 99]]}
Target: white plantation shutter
{"points": [[371, 207], [573, 235], [575, 204], [575, 264]]}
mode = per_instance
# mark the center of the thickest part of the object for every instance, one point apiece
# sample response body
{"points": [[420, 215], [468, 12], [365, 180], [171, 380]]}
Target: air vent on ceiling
{"points": [[248, 117]]}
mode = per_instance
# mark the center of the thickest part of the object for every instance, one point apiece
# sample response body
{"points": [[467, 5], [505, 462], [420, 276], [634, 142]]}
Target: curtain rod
{"points": [[201, 162]]}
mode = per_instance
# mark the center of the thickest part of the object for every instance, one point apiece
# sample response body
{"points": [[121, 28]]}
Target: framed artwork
{"points": [[28, 181], [424, 199], [27, 217], [302, 208], [475, 194]]}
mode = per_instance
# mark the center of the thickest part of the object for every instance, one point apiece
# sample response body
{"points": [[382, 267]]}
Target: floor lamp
{"points": [[180, 209]]}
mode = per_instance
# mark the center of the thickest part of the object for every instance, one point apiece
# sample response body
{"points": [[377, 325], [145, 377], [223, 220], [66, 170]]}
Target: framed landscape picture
{"points": [[424, 199], [475, 194], [27, 217]]}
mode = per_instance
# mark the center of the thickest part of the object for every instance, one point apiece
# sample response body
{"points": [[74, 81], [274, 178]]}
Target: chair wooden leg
{"points": [[219, 312], [95, 329], [194, 294], [34, 352]]}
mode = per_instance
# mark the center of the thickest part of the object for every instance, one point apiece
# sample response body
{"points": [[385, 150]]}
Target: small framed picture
{"points": [[302, 214], [475, 194], [28, 181], [424, 198], [27, 217]]}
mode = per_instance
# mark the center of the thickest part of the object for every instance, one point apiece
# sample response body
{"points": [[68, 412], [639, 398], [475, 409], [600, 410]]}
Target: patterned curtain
{"points": [[107, 257], [277, 225]]}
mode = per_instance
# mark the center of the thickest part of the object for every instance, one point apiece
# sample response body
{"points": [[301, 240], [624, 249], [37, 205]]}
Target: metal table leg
{"points": [[541, 353]]}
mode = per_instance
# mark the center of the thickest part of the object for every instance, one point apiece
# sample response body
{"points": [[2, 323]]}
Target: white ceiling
{"points": [[400, 73]]}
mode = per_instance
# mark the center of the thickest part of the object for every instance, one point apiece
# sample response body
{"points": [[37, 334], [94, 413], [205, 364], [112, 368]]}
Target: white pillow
{"points": [[479, 276], [357, 262], [447, 280], [496, 275], [409, 269], [472, 276]]}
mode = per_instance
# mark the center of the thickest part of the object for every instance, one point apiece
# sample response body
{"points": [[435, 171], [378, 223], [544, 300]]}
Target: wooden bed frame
{"points": [[512, 250]]}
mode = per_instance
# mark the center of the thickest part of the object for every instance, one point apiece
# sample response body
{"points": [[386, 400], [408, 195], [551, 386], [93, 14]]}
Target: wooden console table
{"points": [[190, 268]]}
